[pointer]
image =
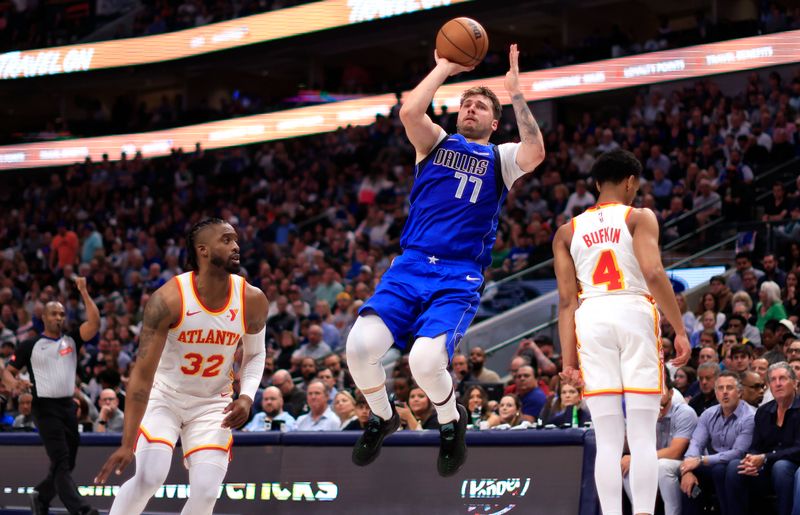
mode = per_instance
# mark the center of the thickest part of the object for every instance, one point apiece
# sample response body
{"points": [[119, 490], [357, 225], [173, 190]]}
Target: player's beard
{"points": [[226, 264], [473, 132]]}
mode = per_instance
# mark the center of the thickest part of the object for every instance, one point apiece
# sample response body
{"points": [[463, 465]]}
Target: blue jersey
{"points": [[455, 201]]}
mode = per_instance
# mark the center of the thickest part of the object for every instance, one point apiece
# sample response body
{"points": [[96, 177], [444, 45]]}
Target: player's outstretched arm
{"points": [[531, 149], [253, 356], [644, 227], [420, 129], [567, 280], [161, 310]]}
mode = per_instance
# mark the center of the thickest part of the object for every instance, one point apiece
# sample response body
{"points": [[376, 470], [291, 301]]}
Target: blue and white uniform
{"points": [[432, 287]]}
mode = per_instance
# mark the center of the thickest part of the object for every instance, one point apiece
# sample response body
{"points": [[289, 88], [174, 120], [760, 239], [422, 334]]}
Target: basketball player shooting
{"points": [[430, 291], [608, 257], [182, 382]]}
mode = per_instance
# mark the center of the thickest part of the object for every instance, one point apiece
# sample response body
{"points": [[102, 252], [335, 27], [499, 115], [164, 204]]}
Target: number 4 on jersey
{"points": [[607, 272]]}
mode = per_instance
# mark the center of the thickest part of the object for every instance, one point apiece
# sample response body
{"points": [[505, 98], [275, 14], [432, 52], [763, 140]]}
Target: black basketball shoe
{"points": [[368, 446], [452, 444]]}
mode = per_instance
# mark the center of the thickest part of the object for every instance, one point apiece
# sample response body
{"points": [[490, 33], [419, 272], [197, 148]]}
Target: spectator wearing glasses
{"points": [[753, 388], [111, 418], [723, 433], [771, 462], [760, 367]]}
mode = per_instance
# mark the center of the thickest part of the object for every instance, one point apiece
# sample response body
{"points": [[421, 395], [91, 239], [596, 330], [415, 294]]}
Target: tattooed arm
{"points": [[531, 148], [162, 310]]}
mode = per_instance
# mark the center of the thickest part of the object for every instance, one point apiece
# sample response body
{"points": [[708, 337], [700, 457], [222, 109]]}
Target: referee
{"points": [[52, 359]]}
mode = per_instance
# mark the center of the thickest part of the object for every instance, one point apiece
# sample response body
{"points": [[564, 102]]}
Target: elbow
{"points": [[408, 112], [653, 273]]}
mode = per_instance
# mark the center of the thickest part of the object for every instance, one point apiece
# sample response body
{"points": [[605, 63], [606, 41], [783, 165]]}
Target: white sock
{"points": [[152, 467], [379, 403], [428, 361], [207, 470], [609, 428], [642, 411]]}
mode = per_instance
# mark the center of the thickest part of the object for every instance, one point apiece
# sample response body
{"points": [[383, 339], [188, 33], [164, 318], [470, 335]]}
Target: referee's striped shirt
{"points": [[51, 362]]}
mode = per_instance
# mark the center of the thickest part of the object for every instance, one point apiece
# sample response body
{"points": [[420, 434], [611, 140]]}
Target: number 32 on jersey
{"points": [[606, 271]]}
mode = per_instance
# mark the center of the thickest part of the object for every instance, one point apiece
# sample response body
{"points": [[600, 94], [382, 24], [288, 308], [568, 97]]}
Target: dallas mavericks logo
{"points": [[460, 162], [494, 489]]}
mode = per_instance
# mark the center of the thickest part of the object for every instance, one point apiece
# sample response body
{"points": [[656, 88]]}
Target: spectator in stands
{"points": [[306, 372], [111, 418], [721, 293], [676, 423], [708, 302], [271, 413], [795, 364], [772, 271], [294, 399], [760, 366], [791, 297], [341, 377], [418, 413], [684, 378], [535, 352], [362, 415], [741, 357], [315, 347], [750, 287], [287, 345], [85, 424], [567, 408], [707, 375], [753, 388], [724, 433], [532, 397], [509, 412], [579, 200], [769, 306], [776, 208], [708, 321], [326, 375], [707, 354], [744, 262], [476, 400], [320, 417], [708, 201], [738, 324], [772, 460], [64, 248], [461, 372], [478, 372], [24, 420], [344, 405]]}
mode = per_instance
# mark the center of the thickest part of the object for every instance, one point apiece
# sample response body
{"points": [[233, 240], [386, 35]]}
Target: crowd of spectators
{"points": [[131, 114]]}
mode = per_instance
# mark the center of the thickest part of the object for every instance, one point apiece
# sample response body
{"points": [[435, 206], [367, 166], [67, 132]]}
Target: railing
{"points": [[528, 333]]}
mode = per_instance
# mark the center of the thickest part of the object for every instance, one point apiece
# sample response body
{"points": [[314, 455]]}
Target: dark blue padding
{"points": [[555, 437], [589, 503]]}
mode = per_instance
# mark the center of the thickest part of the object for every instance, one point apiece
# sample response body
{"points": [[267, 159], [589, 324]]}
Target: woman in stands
{"points": [[708, 302], [344, 405], [362, 415], [509, 413], [684, 378], [568, 408], [418, 414], [770, 306], [476, 400]]}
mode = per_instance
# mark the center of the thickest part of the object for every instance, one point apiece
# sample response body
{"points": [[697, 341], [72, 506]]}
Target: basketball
{"points": [[463, 41]]}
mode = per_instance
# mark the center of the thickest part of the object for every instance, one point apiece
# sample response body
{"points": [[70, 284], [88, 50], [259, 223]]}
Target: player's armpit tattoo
{"points": [[528, 128], [155, 312]]}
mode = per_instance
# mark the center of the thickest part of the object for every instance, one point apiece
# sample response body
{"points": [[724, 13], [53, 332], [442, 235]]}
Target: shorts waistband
{"points": [[435, 259]]}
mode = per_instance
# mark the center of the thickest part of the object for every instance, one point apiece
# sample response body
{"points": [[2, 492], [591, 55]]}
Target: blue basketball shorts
{"points": [[423, 295]]}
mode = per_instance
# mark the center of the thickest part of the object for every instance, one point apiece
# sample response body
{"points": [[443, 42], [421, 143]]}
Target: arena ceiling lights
{"points": [[293, 21], [669, 65]]}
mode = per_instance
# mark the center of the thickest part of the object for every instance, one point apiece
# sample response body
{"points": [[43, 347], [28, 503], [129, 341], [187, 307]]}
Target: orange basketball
{"points": [[463, 41]]}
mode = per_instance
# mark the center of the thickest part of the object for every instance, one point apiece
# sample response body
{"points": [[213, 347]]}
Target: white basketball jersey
{"points": [[602, 249], [199, 353]]}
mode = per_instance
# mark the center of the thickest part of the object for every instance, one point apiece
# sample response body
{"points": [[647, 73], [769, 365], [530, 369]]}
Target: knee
{"points": [[204, 496], [424, 363], [150, 479], [668, 469]]}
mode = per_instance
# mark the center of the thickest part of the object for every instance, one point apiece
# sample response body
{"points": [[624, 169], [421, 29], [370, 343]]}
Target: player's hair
{"points": [[497, 108], [191, 236], [616, 166]]}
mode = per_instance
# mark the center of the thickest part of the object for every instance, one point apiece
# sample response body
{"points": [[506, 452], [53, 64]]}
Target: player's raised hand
{"points": [[80, 283], [512, 77], [238, 412], [682, 351], [116, 463], [452, 68]]}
